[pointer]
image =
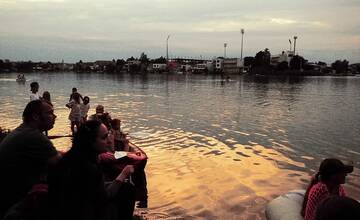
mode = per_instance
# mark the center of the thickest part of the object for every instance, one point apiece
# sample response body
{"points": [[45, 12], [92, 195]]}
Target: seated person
{"points": [[328, 181], [121, 143], [102, 116], [77, 189], [111, 165], [338, 208]]}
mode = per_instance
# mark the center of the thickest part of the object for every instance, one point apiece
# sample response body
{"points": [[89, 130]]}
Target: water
{"points": [[217, 149]]}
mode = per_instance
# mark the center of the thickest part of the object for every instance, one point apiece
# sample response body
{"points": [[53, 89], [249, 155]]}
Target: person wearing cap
{"points": [[327, 182]]}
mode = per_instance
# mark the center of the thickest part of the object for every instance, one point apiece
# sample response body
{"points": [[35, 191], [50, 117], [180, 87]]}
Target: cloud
{"points": [[196, 27]]}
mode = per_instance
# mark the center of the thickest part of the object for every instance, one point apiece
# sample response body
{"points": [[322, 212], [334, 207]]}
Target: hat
{"points": [[332, 166]]}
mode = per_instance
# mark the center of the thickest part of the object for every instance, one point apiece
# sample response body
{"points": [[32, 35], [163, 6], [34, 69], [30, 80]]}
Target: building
{"points": [[285, 56], [232, 65], [159, 66]]}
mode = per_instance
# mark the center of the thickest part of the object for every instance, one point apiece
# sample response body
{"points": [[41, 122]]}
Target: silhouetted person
{"points": [[34, 88], [25, 154], [328, 181], [338, 208], [76, 186]]}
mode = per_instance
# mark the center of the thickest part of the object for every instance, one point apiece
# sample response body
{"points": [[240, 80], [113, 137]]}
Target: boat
{"points": [[286, 207], [20, 78]]}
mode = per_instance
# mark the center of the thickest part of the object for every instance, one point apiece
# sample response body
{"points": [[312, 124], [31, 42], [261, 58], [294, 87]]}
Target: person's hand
{"points": [[106, 157], [136, 156], [125, 173]]}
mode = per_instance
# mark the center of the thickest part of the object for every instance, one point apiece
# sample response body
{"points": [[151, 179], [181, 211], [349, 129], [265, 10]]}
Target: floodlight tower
{"points": [[242, 42], [295, 37], [167, 48]]}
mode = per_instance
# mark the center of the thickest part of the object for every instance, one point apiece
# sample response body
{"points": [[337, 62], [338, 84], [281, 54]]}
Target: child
{"points": [[84, 108], [75, 115], [46, 97], [34, 88]]}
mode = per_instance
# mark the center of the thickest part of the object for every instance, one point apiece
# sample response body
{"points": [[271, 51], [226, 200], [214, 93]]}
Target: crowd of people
{"points": [[87, 182], [91, 181]]}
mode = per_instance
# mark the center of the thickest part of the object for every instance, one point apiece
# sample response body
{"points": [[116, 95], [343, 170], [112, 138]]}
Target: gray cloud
{"points": [[80, 29]]}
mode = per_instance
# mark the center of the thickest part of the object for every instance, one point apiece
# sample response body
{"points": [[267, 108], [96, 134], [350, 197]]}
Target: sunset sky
{"points": [[52, 30]]}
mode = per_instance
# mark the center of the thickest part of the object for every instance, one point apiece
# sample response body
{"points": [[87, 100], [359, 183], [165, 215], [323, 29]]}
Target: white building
{"points": [[159, 66], [285, 56]]}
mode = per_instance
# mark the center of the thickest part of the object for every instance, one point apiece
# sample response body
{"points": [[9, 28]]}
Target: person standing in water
{"points": [[34, 88], [75, 114]]}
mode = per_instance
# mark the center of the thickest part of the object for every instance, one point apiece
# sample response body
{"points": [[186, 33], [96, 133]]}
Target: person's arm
{"points": [[70, 104], [82, 99], [112, 188]]}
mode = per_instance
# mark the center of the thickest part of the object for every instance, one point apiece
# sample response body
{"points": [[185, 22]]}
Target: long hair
{"points": [[84, 139], [324, 175], [313, 181]]}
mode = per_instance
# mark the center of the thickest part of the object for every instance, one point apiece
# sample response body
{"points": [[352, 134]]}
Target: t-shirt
{"points": [[75, 113], [34, 96], [24, 155]]}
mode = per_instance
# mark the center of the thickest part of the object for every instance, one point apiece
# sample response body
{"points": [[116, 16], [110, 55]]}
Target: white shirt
{"points": [[34, 96]]}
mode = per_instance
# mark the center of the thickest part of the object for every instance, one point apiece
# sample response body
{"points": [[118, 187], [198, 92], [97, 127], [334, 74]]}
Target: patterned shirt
{"points": [[317, 194]]}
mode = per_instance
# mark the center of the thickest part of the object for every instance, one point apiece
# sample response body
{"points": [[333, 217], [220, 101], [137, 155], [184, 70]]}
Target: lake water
{"points": [[218, 149]]}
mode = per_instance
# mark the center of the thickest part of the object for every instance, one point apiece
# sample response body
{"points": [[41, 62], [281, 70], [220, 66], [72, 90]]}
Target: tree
{"points": [[249, 61], [119, 64], [262, 58], [340, 66], [160, 60], [130, 59], [297, 62], [143, 58]]}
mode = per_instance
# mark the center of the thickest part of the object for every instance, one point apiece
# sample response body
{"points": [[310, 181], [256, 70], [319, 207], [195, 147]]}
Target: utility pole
{"points": [[225, 45], [242, 42], [167, 48]]}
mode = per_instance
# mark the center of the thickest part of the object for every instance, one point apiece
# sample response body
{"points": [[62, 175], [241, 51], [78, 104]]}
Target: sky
{"points": [[70, 30]]}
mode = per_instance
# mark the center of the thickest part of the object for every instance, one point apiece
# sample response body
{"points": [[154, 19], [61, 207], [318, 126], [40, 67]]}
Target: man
{"points": [[25, 154], [102, 116], [74, 91]]}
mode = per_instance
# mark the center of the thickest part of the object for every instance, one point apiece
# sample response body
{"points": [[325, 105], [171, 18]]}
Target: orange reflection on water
{"points": [[234, 183]]}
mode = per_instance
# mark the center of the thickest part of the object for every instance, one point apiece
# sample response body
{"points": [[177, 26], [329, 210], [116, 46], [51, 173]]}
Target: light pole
{"points": [[242, 42], [167, 48], [295, 37], [225, 45]]}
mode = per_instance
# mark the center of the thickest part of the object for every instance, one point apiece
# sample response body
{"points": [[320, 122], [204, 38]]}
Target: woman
{"points": [[76, 186], [327, 181]]}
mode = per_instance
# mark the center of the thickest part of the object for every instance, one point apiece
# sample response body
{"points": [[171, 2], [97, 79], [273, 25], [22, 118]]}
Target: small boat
{"points": [[20, 78], [286, 207]]}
